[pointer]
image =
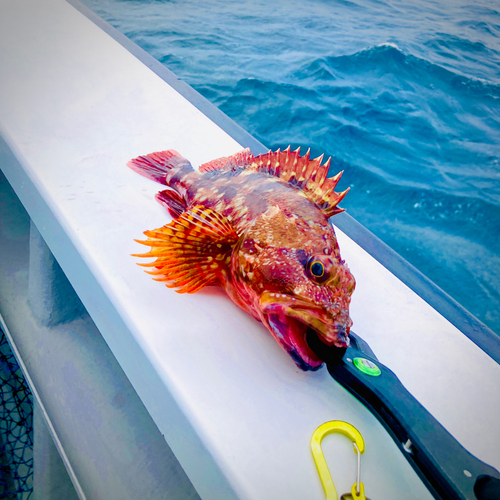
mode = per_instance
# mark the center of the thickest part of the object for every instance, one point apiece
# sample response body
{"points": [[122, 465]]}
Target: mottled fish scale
{"points": [[244, 196]]}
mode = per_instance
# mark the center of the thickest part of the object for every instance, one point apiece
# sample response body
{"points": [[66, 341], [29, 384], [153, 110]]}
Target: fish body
{"points": [[258, 227]]}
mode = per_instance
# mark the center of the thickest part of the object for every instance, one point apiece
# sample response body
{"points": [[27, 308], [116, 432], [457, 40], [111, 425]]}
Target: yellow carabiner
{"points": [[353, 434]]}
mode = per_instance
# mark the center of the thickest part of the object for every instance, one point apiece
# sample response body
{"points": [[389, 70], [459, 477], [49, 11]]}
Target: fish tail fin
{"points": [[157, 166]]}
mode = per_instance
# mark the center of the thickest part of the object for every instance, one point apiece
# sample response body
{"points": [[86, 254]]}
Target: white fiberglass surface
{"points": [[75, 107]]}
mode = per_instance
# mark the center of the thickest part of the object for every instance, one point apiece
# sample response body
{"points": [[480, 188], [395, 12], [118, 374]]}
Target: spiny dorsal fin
{"points": [[304, 174], [192, 251], [299, 171]]}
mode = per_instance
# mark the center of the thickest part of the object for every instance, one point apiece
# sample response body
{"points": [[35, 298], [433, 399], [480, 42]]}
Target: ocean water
{"points": [[404, 95]]}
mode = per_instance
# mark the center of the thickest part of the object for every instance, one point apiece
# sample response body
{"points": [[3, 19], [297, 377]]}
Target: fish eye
{"points": [[318, 268]]}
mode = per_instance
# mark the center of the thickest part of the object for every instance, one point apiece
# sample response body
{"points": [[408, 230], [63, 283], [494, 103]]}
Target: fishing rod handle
{"points": [[446, 467]]}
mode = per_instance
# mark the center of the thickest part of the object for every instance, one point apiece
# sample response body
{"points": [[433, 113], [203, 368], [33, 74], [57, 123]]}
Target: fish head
{"points": [[288, 272]]}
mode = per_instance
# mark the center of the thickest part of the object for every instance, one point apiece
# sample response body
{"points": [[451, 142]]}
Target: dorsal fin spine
{"points": [[310, 170], [330, 184], [306, 161], [297, 156], [322, 172], [336, 178], [286, 157], [341, 195], [313, 167], [292, 169]]}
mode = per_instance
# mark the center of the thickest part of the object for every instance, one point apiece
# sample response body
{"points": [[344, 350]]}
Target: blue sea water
{"points": [[404, 95]]}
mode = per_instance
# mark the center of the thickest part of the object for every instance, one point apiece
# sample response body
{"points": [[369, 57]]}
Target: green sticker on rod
{"points": [[366, 366]]}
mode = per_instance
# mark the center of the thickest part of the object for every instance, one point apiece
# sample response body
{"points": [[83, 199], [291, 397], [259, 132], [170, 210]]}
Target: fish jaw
{"points": [[289, 318]]}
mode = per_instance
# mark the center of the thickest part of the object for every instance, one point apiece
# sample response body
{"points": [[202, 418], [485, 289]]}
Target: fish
{"points": [[257, 226]]}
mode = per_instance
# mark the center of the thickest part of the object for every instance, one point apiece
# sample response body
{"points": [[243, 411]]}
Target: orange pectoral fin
{"points": [[192, 251]]}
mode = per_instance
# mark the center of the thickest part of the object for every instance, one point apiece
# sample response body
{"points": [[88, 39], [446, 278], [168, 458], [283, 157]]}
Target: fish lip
{"points": [[283, 314], [291, 335]]}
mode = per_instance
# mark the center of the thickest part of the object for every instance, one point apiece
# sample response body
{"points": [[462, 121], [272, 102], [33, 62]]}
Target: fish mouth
{"points": [[290, 320]]}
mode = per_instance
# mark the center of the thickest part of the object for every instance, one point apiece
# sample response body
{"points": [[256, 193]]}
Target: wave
{"points": [[455, 43], [408, 120], [389, 58]]}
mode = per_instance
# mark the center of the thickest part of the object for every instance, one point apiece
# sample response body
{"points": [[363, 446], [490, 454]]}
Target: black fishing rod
{"points": [[444, 465]]}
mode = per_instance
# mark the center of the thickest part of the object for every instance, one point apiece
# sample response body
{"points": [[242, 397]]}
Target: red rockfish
{"points": [[258, 227]]}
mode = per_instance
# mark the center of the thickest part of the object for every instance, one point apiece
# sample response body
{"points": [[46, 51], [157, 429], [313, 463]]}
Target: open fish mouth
{"points": [[290, 320]]}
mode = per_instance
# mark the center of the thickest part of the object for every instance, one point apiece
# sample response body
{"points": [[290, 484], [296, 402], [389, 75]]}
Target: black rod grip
{"points": [[445, 466]]}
